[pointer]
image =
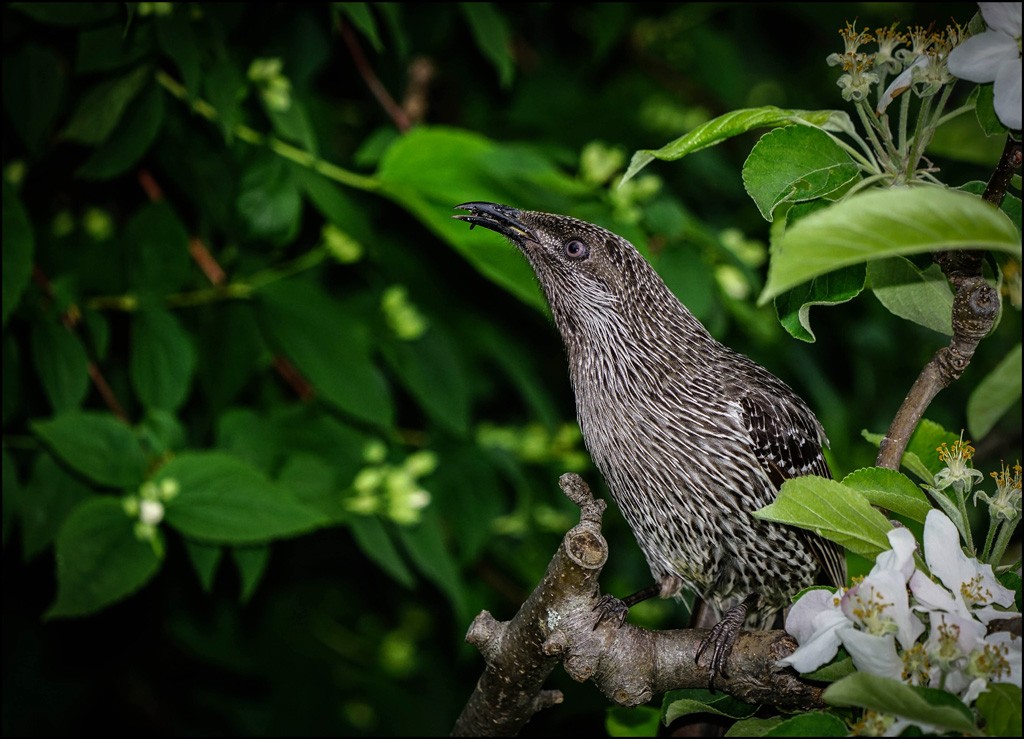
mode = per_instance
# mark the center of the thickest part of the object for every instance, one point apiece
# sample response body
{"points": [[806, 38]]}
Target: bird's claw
{"points": [[610, 609], [723, 636]]}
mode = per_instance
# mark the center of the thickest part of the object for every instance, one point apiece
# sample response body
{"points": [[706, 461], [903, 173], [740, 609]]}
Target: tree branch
{"points": [[629, 664], [975, 308]]}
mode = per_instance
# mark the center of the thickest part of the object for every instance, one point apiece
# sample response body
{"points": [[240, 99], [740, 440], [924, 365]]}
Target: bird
{"points": [[690, 436]]}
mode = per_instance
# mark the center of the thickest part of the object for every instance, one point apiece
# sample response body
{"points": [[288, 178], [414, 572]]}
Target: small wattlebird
{"points": [[690, 436]]}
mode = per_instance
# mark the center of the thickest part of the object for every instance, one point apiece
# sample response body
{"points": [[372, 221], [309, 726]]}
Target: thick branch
{"points": [[630, 665], [975, 307]]}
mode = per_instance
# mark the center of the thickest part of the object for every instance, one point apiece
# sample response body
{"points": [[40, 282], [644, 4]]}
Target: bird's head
{"points": [[584, 270]]}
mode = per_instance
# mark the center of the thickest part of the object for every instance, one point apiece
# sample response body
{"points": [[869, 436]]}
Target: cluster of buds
{"points": [[274, 87], [392, 489], [147, 506]]}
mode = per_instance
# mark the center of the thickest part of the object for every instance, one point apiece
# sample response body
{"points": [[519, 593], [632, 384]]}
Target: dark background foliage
{"points": [[418, 338]]}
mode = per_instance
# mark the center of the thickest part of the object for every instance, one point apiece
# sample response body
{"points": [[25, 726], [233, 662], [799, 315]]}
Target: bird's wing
{"points": [[787, 441]]}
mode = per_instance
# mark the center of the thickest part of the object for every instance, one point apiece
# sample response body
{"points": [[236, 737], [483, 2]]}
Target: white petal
{"points": [[821, 647], [976, 688], [800, 619], [873, 654], [978, 58], [901, 557], [1007, 93], [1013, 643], [1003, 17], [933, 596], [899, 85]]}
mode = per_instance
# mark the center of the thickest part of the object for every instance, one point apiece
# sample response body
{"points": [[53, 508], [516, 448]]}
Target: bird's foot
{"points": [[615, 609], [723, 637]]}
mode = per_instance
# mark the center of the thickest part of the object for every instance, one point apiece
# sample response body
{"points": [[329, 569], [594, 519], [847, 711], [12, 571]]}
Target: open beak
{"points": [[501, 218]]}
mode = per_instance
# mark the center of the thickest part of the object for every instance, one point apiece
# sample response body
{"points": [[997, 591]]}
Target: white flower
{"points": [[816, 622], [994, 56]]}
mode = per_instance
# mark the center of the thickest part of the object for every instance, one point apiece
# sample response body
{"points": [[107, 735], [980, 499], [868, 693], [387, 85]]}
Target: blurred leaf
{"points": [[335, 204], [881, 224], [248, 436], [920, 296], [362, 18], [18, 251], [99, 559], [492, 36], [930, 706], [12, 382], [33, 87], [794, 306], [832, 510], [97, 445], [69, 14], [61, 363], [12, 496], [891, 490], [179, 41], [295, 125], [230, 347], [636, 721], [456, 486], [204, 558], [376, 544], [812, 723], [430, 369], [997, 393], [425, 544], [48, 497], [328, 346], [101, 108], [268, 200], [132, 137], [678, 703], [252, 563], [226, 87], [1011, 204], [795, 164], [314, 482], [162, 359], [1000, 706], [222, 500], [727, 126], [984, 110], [111, 46]]}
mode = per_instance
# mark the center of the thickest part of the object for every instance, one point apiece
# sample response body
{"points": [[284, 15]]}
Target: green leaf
{"points": [[925, 442], [177, 39], [375, 543], [812, 723], [48, 497], [998, 392], [328, 346], [295, 125], [830, 509], [162, 359], [732, 124], [430, 369], [920, 296], [929, 706], [157, 246], [232, 328], [754, 726], [425, 544], [268, 200], [678, 703], [132, 137], [314, 482], [832, 671], [69, 14], [222, 500], [61, 362], [891, 490], [99, 559], [252, 563], [1000, 707], [18, 251], [794, 306], [984, 109], [636, 721], [885, 223], [204, 558], [362, 18], [101, 108], [226, 87], [33, 87], [97, 445], [795, 164], [492, 36], [12, 493]]}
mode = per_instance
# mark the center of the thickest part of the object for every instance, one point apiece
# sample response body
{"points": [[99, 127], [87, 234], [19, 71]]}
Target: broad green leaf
{"points": [[430, 369], [886, 223], [732, 124], [832, 671], [636, 721], [375, 543], [132, 137], [362, 18], [69, 14], [101, 108], [830, 509], [99, 559], [812, 723], [61, 363], [226, 88], [268, 200], [178, 40], [492, 36], [925, 442], [49, 495], [232, 328], [910, 460], [163, 359], [998, 392], [204, 558], [754, 726], [1000, 707], [18, 251], [222, 500], [795, 164], [295, 125], [313, 481], [678, 703], [97, 445], [424, 542], [157, 246], [430, 170], [794, 306], [891, 490], [920, 296], [110, 48], [929, 706], [1011, 204], [984, 109], [329, 346], [33, 87], [252, 563]]}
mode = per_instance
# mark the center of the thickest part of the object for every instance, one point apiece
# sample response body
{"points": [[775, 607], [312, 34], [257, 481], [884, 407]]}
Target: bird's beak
{"points": [[501, 218]]}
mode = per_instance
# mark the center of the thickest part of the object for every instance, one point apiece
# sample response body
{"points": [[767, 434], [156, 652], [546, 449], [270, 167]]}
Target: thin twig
{"points": [[393, 109]]}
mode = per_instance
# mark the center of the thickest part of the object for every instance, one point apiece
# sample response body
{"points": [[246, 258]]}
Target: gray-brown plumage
{"points": [[690, 436]]}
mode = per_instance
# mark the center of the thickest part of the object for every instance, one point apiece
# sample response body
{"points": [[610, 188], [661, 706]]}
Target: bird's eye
{"points": [[576, 249]]}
